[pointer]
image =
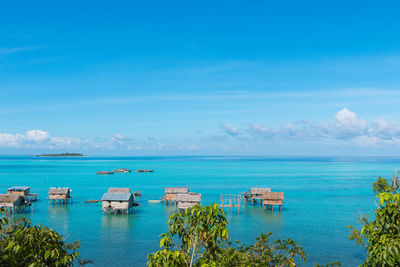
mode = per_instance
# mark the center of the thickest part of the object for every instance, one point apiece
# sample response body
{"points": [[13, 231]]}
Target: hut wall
{"points": [[19, 193], [58, 196], [117, 205], [170, 197]]}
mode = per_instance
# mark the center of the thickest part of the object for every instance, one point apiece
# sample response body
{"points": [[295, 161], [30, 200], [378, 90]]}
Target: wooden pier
{"points": [[231, 201]]}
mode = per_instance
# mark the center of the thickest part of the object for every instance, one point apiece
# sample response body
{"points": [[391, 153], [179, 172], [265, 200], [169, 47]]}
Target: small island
{"points": [[61, 155]]}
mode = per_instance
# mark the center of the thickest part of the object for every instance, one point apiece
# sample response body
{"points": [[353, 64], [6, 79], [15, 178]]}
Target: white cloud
{"points": [[37, 135], [229, 129], [345, 125], [261, 131], [38, 139]]}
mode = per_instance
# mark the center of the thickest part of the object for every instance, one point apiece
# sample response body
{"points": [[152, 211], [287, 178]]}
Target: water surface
{"points": [[322, 196]]}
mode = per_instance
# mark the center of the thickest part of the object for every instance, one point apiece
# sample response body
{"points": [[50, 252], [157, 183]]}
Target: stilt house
{"points": [[22, 191], [59, 195], [273, 198], [255, 194], [189, 200], [13, 203], [172, 192], [116, 202]]}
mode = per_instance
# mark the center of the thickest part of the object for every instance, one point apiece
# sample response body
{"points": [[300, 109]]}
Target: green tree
{"points": [[24, 244], [381, 185], [202, 232], [199, 237], [381, 236]]}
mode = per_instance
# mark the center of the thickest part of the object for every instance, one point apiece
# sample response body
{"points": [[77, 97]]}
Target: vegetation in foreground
{"points": [[381, 236], [199, 237], [24, 244]]}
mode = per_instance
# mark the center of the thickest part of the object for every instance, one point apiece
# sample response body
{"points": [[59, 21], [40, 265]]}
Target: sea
{"points": [[322, 196]]}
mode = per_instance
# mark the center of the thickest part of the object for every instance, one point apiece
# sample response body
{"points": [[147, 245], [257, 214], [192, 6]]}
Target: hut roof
{"points": [[192, 197], [59, 190], [273, 195], [176, 190], [18, 188], [119, 190], [116, 196], [259, 191], [6, 198]]}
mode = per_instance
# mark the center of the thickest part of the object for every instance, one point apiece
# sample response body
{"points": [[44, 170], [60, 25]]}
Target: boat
{"points": [[144, 171], [106, 172], [123, 170]]}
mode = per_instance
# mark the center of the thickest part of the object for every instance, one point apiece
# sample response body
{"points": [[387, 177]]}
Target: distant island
{"points": [[62, 155]]}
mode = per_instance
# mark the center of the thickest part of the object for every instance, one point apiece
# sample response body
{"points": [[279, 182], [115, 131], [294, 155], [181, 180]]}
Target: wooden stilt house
{"points": [[255, 194], [273, 198], [59, 195], [189, 200], [23, 191], [172, 192], [13, 203], [117, 200]]}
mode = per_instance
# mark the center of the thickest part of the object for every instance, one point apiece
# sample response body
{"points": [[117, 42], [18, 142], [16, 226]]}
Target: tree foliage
{"points": [[24, 244], [381, 236], [381, 185], [199, 237]]}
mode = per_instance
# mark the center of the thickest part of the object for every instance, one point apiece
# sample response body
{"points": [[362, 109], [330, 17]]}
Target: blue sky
{"points": [[200, 77]]}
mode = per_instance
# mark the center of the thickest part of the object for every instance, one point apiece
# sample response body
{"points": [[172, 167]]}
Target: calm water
{"points": [[322, 196]]}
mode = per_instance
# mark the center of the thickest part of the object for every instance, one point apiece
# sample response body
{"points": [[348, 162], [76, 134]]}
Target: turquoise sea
{"points": [[322, 196]]}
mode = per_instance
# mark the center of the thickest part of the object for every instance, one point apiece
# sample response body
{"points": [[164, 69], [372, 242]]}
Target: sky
{"points": [[265, 78]]}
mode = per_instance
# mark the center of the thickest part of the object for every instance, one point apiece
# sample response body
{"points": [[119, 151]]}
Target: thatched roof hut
{"points": [[7, 200], [255, 193], [188, 200], [61, 194], [12, 203], [19, 190], [172, 192], [273, 198]]}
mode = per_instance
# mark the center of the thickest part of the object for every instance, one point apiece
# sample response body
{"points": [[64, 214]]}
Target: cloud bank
{"points": [[345, 128], [345, 125]]}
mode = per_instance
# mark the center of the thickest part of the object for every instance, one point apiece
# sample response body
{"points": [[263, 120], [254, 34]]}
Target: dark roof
{"points": [[116, 196], [18, 188]]}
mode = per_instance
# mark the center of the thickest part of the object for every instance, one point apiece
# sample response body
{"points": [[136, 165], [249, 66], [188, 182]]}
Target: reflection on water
{"points": [[117, 221], [58, 210]]}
